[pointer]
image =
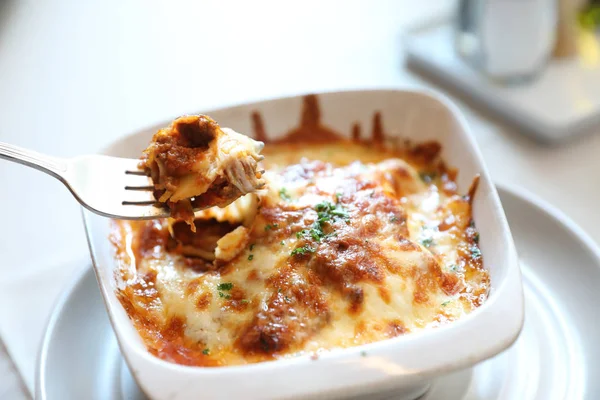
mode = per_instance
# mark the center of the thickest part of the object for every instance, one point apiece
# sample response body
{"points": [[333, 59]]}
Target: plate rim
{"points": [[57, 310], [555, 213]]}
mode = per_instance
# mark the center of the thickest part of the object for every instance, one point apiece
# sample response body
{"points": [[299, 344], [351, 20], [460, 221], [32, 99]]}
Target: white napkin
{"points": [[27, 303]]}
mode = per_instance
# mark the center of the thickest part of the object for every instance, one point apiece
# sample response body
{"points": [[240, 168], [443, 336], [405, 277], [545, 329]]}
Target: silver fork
{"points": [[110, 186]]}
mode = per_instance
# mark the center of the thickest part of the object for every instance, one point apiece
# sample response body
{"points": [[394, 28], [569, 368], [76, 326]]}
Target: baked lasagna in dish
{"points": [[196, 164], [351, 241]]}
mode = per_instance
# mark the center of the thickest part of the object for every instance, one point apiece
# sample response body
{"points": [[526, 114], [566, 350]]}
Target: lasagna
{"points": [[195, 164], [349, 243]]}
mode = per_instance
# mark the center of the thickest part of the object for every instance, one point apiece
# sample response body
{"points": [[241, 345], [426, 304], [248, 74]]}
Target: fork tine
{"points": [[147, 188], [136, 196], [136, 172], [135, 178], [140, 203]]}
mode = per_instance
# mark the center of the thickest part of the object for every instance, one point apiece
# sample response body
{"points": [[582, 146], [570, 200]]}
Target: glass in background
{"points": [[509, 41]]}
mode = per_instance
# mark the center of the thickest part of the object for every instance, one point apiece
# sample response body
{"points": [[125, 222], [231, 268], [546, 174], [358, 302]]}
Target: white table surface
{"points": [[75, 75]]}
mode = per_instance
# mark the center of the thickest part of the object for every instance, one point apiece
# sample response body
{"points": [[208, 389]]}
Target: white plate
{"points": [[557, 355]]}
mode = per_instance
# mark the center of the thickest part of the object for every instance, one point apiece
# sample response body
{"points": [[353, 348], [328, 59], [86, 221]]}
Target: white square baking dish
{"points": [[403, 365]]}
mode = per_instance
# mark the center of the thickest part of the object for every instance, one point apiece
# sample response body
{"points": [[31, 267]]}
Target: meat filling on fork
{"points": [[195, 164]]}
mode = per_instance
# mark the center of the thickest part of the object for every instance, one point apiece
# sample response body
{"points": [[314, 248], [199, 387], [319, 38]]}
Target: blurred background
{"points": [[76, 75]]}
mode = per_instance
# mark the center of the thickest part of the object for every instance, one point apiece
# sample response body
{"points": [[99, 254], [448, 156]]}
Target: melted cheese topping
{"points": [[335, 254]]}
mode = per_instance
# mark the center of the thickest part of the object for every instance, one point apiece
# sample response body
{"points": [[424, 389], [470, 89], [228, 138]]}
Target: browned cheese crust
{"points": [[352, 242]]}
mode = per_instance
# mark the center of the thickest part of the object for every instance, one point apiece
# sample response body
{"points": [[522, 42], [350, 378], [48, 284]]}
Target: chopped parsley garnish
{"points": [[282, 243], [284, 194], [372, 193], [317, 234], [329, 208], [337, 196], [326, 213], [251, 257], [363, 353], [244, 301], [225, 286], [427, 242], [323, 206], [340, 213], [279, 290], [302, 250], [476, 237], [269, 227], [394, 218], [475, 253], [206, 351], [453, 267], [287, 299], [444, 304], [427, 177], [472, 223], [252, 246]]}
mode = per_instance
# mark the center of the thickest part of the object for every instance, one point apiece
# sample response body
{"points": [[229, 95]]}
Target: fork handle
{"points": [[50, 165]]}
